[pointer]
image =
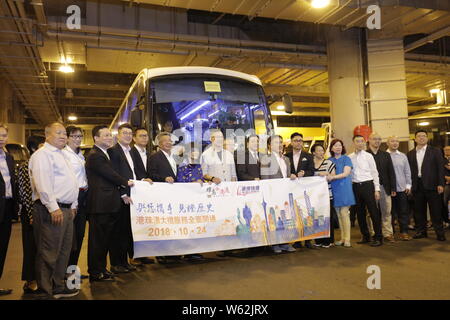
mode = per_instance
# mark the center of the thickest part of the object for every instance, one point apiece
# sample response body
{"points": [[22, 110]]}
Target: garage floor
{"points": [[409, 270]]}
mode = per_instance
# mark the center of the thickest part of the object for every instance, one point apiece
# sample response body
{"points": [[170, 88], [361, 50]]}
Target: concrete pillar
{"points": [[387, 86], [383, 106], [346, 83], [11, 113]]}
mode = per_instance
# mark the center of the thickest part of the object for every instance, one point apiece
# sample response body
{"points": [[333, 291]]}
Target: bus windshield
{"points": [[190, 105]]}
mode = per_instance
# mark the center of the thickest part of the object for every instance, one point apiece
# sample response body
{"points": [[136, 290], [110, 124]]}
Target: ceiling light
{"points": [[434, 91], [447, 132], [318, 4], [72, 118], [66, 60], [433, 108], [424, 124], [281, 107], [66, 69]]}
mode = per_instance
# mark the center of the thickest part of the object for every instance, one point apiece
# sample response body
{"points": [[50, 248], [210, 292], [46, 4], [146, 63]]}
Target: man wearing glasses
{"points": [[302, 165], [75, 157]]}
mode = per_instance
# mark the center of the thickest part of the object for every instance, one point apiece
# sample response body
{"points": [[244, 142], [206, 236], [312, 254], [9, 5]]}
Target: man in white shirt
{"points": [[217, 163], [55, 193], [75, 157], [366, 187]]}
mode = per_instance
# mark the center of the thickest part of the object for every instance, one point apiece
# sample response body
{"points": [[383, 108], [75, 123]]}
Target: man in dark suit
{"points": [[8, 196], [302, 165], [124, 164], [140, 154], [162, 167], [428, 181], [248, 165], [103, 204]]}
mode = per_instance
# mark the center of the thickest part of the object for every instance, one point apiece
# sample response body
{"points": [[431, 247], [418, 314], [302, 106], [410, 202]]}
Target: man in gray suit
{"points": [[276, 166]]}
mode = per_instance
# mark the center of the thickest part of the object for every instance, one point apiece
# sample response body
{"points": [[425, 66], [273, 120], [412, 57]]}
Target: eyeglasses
{"points": [[76, 137], [297, 140]]}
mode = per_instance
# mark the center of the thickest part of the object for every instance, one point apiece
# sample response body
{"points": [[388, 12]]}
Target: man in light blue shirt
{"points": [[403, 187]]}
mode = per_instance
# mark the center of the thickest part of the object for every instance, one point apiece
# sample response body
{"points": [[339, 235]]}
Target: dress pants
{"points": [[343, 214], [79, 225], [5, 232], [423, 197], [54, 243], [29, 252], [101, 228], [122, 243], [400, 209], [365, 197]]}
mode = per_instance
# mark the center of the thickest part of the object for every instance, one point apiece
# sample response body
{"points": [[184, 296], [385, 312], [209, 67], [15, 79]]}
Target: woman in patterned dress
{"points": [[26, 218], [191, 171]]}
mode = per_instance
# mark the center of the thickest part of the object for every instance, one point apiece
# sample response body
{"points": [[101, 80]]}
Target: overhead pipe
{"points": [[288, 47]]}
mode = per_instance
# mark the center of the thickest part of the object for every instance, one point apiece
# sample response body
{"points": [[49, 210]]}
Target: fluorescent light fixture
{"points": [[424, 123], [281, 107], [448, 132], [433, 108], [194, 110], [66, 69], [72, 118], [434, 91], [318, 4], [66, 60], [215, 112]]}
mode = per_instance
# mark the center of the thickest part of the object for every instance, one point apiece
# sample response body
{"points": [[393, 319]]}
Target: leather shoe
{"points": [[420, 236], [130, 267], [441, 238], [363, 241], [146, 260], [297, 245], [119, 269], [135, 262], [4, 292], [376, 243], [108, 273], [309, 245], [102, 277]]}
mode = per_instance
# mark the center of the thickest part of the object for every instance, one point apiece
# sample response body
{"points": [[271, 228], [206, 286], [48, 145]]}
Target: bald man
{"points": [[387, 184], [402, 187], [55, 196]]}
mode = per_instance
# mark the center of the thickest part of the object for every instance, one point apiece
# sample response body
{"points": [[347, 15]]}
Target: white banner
{"points": [[184, 218]]}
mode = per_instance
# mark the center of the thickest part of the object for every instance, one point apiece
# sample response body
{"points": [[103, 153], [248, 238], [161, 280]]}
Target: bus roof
{"points": [[156, 72]]}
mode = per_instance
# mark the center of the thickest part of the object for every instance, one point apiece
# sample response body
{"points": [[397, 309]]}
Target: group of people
{"points": [[59, 190]]}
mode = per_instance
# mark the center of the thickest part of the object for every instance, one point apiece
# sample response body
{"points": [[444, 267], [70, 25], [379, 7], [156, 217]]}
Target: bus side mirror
{"points": [[287, 102]]}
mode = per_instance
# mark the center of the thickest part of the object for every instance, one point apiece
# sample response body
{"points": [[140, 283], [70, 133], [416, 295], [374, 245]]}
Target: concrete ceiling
{"points": [[118, 39]]}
